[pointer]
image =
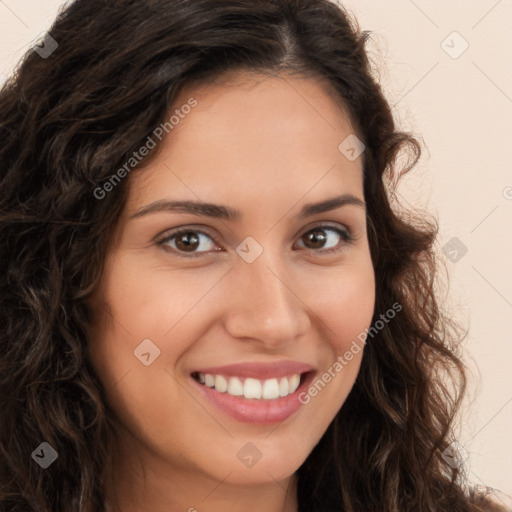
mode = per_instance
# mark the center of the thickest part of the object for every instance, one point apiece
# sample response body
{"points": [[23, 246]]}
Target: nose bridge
{"points": [[265, 305]]}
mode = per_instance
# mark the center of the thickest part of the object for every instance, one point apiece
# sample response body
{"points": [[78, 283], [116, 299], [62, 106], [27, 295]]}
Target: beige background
{"points": [[461, 109]]}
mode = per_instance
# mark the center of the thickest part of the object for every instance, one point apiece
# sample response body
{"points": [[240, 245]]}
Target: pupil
{"points": [[190, 240], [315, 237]]}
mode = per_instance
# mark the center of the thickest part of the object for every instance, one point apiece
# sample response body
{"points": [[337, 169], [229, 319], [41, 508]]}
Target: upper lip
{"points": [[257, 370]]}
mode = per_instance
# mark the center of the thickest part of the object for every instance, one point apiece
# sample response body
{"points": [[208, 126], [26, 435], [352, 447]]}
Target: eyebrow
{"points": [[228, 213]]}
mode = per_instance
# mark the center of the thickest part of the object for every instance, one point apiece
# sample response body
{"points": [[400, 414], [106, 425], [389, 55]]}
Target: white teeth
{"points": [[221, 384], [294, 383], [235, 387], [283, 387], [250, 388], [270, 389]]}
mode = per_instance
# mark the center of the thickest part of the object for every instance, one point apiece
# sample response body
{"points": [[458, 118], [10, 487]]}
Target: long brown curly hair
{"points": [[68, 119]]}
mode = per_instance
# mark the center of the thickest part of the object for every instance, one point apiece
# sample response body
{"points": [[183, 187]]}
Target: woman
{"points": [[298, 362]]}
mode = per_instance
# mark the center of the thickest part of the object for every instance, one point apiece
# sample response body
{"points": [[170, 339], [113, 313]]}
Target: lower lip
{"points": [[262, 412]]}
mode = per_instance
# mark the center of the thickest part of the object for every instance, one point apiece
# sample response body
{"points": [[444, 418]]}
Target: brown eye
{"points": [[317, 238], [187, 241]]}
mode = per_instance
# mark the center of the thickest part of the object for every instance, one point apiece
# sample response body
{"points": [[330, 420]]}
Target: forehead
{"points": [[248, 99], [261, 136]]}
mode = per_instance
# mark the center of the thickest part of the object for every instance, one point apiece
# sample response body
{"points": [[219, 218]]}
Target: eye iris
{"points": [[317, 237], [191, 241]]}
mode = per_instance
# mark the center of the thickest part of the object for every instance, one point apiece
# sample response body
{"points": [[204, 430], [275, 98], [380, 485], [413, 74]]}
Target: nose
{"points": [[265, 305]]}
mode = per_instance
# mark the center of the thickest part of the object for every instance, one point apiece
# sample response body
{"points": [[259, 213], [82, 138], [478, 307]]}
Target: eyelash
{"points": [[345, 234]]}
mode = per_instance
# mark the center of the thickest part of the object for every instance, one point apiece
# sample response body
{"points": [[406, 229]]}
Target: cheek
{"points": [[344, 301], [142, 306], [343, 304], [138, 303], [148, 302]]}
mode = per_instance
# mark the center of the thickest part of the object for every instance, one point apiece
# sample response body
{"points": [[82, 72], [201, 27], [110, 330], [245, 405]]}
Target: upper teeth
{"points": [[251, 388]]}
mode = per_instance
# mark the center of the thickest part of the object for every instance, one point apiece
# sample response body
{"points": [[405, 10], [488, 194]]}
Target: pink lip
{"points": [[262, 412], [259, 370]]}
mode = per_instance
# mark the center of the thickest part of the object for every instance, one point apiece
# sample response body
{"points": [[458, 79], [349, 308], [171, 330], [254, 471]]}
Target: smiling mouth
{"points": [[252, 389]]}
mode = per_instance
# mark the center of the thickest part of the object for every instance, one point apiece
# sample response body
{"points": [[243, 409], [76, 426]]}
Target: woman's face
{"points": [[269, 286]]}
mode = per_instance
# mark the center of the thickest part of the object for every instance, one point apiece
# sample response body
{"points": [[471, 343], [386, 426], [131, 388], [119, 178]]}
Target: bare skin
{"points": [[266, 148]]}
